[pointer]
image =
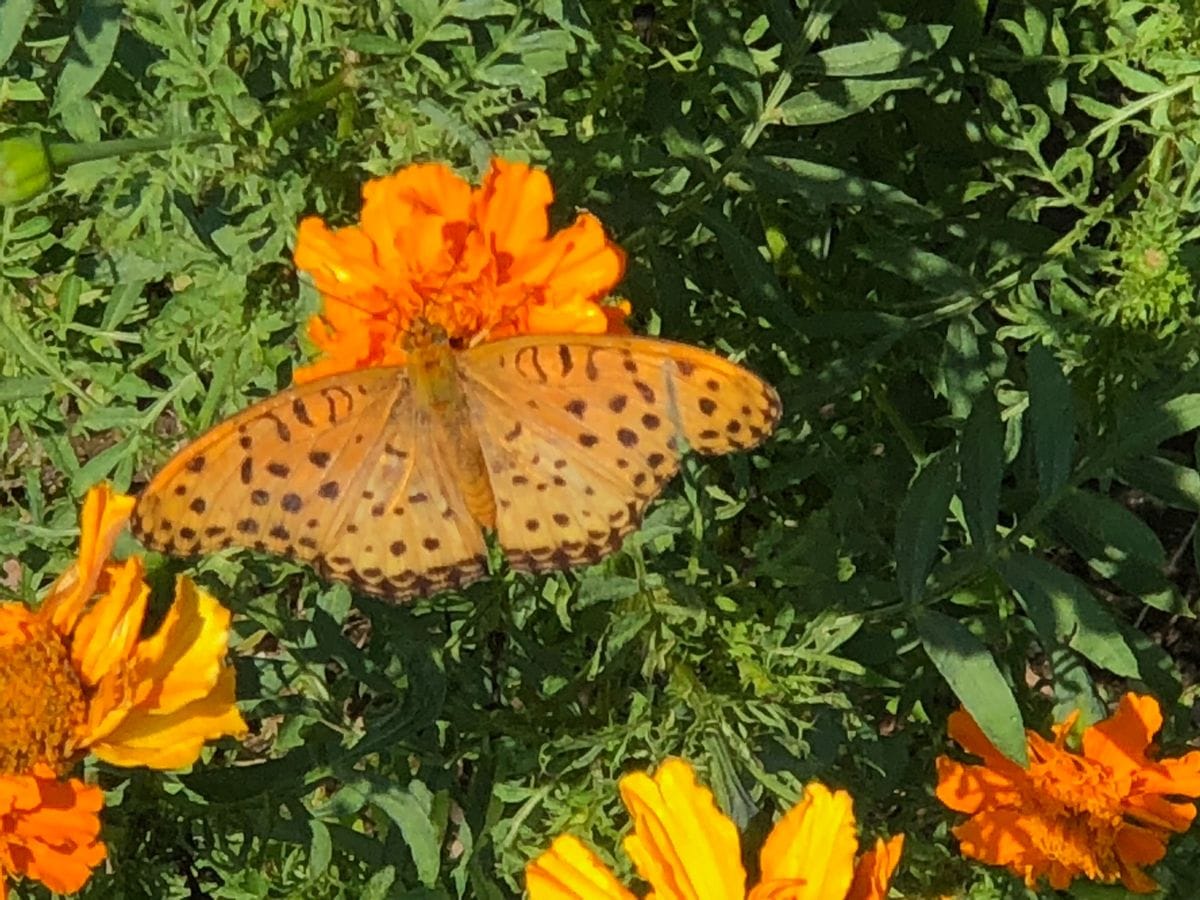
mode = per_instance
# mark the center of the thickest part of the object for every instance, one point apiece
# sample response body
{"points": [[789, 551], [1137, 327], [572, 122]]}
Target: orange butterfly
{"points": [[384, 477]]}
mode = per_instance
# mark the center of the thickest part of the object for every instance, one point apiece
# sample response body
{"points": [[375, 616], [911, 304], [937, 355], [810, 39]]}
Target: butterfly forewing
{"points": [[580, 433], [333, 472]]}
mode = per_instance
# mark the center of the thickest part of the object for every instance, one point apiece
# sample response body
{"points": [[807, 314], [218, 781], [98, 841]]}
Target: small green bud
{"points": [[25, 168]]}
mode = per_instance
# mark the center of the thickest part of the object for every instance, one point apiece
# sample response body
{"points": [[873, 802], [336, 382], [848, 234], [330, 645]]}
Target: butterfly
{"points": [[387, 477]]}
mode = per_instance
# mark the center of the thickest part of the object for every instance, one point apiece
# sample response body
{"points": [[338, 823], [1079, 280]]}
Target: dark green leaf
{"points": [[1116, 544], [981, 468], [920, 522], [1052, 420], [835, 100], [883, 53], [1065, 611], [976, 680]]}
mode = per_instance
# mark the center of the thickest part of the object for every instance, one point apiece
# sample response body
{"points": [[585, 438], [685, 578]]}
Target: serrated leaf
{"points": [[920, 522], [1064, 610], [981, 468], [1052, 420], [13, 16], [976, 680], [90, 51]]}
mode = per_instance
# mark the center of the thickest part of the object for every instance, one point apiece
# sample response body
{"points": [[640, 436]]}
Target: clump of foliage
{"points": [[959, 237]]}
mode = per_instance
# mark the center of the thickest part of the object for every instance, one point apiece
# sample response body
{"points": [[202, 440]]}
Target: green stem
{"points": [[66, 154], [312, 104]]}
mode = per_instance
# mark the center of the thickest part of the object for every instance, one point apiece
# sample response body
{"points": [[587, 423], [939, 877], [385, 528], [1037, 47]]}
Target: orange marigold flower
{"points": [[477, 263], [1102, 813], [686, 849], [76, 677], [49, 829]]}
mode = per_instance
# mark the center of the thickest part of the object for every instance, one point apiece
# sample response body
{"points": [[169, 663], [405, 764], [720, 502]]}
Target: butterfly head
{"points": [[423, 333]]}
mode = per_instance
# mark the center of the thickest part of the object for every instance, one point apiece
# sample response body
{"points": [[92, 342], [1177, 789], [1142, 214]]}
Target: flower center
{"points": [[41, 699], [1083, 802]]}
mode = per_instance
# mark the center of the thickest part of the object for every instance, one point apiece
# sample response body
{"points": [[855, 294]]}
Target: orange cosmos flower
{"points": [[477, 263], [688, 850], [76, 677], [1102, 813]]}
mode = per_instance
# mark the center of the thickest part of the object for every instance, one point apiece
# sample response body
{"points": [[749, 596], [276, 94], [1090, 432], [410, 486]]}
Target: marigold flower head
{"points": [[1102, 813], [686, 849], [476, 263], [77, 677]]}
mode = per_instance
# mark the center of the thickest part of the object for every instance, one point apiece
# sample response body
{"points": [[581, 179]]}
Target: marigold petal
{"points": [[873, 874], [1156, 810], [682, 844], [816, 841], [511, 207], [1005, 837], [1138, 847], [1179, 776], [571, 871], [968, 788], [176, 693], [180, 663], [105, 513], [147, 737], [106, 634], [49, 829], [1122, 739]]}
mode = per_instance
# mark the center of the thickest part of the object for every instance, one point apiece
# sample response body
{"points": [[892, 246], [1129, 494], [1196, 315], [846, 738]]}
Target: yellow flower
{"points": [[77, 678], [478, 264], [1102, 813], [686, 849]]}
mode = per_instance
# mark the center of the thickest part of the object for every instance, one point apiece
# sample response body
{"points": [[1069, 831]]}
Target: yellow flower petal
{"points": [[682, 844], [106, 634], [105, 513], [177, 693], [173, 740], [814, 843], [570, 871]]}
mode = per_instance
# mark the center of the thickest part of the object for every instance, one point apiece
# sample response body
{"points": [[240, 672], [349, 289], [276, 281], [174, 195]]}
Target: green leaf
{"points": [[981, 469], [1146, 424], [1173, 484], [751, 269], [24, 387], [823, 186], [13, 16], [1052, 420], [883, 53], [1116, 544], [837, 100], [1064, 610], [920, 522], [320, 849], [90, 51], [976, 680], [411, 813]]}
